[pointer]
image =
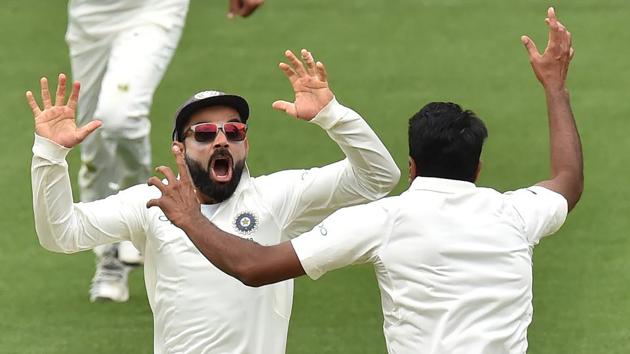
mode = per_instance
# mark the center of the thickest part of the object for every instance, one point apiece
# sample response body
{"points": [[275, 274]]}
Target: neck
{"points": [[204, 199]]}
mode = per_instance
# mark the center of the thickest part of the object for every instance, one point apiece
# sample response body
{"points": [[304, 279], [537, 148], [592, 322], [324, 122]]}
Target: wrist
{"points": [[330, 114], [50, 150], [554, 91], [191, 221]]}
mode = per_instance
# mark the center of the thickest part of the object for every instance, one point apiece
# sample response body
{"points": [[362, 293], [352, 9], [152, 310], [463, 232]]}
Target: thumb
{"points": [[152, 203], [530, 46], [287, 107], [234, 6], [182, 167], [87, 129]]}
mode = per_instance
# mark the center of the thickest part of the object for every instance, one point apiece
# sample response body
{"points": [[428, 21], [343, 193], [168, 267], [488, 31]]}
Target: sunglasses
{"points": [[207, 132]]}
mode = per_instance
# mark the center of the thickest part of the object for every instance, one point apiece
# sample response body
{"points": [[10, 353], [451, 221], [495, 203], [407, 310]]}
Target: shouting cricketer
{"points": [[196, 307]]}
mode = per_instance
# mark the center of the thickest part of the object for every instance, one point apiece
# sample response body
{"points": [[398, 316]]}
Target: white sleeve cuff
{"points": [[330, 114], [304, 250], [49, 150], [561, 202], [541, 210], [559, 198]]}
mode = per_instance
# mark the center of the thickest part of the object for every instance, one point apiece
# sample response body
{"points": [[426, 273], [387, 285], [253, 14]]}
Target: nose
{"points": [[221, 139]]}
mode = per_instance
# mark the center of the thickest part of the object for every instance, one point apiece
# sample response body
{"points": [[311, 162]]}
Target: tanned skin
{"points": [[551, 70]]}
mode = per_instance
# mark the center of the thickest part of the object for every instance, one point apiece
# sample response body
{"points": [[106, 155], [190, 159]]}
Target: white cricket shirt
{"points": [[453, 262], [196, 307]]}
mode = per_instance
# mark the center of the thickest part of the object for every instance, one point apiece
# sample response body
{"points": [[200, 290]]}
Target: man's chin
{"points": [[215, 190]]}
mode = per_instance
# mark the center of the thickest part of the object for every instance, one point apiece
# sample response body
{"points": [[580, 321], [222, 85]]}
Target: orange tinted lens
{"points": [[235, 131], [205, 132]]}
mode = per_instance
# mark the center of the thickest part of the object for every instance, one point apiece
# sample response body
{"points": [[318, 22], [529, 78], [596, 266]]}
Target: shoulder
{"points": [[273, 191], [490, 192], [541, 211], [534, 195], [282, 182], [139, 193], [279, 178], [379, 212], [389, 204]]}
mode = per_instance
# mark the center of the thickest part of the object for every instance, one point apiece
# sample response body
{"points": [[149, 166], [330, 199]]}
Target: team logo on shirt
{"points": [[246, 223]]}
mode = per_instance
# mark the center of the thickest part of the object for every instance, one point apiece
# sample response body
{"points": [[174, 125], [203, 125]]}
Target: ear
{"points": [[479, 166], [412, 170], [180, 145]]}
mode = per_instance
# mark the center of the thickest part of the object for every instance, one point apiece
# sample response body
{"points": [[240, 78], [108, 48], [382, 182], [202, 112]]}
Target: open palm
{"points": [[551, 67], [310, 84], [57, 122]]}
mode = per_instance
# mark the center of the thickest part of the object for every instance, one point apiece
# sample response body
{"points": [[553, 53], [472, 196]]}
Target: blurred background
{"points": [[385, 59]]}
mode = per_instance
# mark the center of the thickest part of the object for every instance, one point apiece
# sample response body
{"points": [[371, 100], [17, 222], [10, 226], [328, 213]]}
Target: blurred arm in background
{"points": [[243, 8]]}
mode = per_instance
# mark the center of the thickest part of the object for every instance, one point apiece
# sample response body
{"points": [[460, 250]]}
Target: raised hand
{"points": [[243, 8], [552, 66], [179, 199], [56, 122], [310, 84]]}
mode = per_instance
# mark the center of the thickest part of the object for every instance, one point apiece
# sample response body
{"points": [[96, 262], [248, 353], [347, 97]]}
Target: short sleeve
{"points": [[542, 211], [349, 236]]}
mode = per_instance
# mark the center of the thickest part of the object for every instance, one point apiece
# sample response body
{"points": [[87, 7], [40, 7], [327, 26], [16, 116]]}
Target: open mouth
{"points": [[221, 168]]}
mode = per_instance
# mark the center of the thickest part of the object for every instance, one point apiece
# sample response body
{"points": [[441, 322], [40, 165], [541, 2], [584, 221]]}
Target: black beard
{"points": [[216, 192]]}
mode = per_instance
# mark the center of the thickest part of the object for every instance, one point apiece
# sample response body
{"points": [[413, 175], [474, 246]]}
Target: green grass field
{"points": [[385, 59]]}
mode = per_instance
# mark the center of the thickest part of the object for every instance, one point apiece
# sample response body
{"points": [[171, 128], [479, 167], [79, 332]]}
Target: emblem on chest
{"points": [[246, 223]]}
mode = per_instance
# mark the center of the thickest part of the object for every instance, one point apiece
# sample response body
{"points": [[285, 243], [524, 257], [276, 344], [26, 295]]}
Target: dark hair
{"points": [[446, 141]]}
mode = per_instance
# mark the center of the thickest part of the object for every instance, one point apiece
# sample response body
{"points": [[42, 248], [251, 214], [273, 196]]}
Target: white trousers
{"points": [[119, 73]]}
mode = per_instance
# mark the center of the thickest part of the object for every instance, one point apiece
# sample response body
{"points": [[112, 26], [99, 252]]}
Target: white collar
{"points": [[443, 185]]}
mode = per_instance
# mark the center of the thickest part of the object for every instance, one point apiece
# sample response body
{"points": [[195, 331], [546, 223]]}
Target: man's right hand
{"points": [[552, 66], [57, 122]]}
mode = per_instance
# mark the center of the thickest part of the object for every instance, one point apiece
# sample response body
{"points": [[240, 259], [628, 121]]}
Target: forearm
{"points": [[372, 165], [52, 197], [245, 260], [62, 225], [566, 149]]}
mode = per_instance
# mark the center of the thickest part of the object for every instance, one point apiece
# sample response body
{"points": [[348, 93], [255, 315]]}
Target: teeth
{"points": [[221, 167]]}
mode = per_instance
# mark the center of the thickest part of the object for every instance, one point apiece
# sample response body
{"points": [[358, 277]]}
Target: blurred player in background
{"points": [[453, 261], [119, 51]]}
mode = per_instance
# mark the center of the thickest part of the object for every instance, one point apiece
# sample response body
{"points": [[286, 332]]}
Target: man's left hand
{"points": [[310, 84], [243, 8], [551, 67]]}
